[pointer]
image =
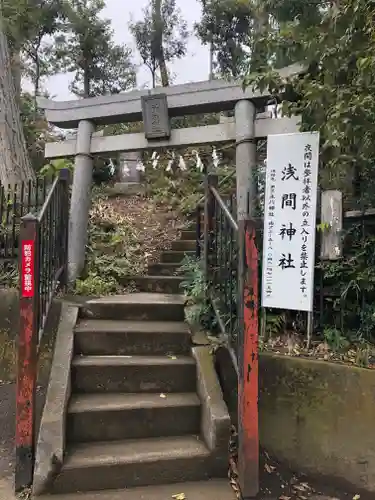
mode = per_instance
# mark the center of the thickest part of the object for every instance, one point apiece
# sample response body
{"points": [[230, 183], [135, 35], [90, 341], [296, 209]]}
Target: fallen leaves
{"points": [[269, 468], [179, 496]]}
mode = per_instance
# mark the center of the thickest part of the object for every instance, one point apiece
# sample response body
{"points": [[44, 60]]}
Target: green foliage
{"points": [[48, 16], [179, 189], [275, 323], [351, 282], [26, 21], [335, 339], [8, 273], [336, 42], [160, 37], [112, 252], [86, 47], [336, 94], [36, 130], [55, 166], [96, 285], [195, 289], [226, 26]]}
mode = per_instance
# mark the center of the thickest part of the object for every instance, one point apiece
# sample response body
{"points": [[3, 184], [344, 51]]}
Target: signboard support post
{"points": [[248, 434], [27, 353]]}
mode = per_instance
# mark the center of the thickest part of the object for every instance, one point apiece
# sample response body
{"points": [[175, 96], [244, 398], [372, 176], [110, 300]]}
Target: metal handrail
{"points": [[224, 208], [47, 201]]}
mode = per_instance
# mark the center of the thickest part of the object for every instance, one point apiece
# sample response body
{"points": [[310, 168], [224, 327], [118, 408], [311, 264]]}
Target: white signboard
{"points": [[290, 221]]}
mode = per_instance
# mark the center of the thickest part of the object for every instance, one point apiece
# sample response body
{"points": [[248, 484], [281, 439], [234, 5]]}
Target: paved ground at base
{"points": [[276, 482], [7, 416]]}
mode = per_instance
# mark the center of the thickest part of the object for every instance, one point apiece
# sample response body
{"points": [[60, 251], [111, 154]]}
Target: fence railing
{"points": [[223, 265], [43, 268], [15, 202], [231, 273]]}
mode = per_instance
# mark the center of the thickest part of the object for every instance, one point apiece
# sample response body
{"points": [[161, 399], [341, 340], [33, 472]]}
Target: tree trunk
{"points": [[86, 85], [15, 165], [16, 73], [164, 73], [153, 79], [211, 77], [86, 82], [158, 42]]}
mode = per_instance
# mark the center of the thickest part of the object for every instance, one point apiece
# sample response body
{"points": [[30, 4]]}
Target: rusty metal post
{"points": [[27, 352], [248, 384], [211, 180], [247, 340]]}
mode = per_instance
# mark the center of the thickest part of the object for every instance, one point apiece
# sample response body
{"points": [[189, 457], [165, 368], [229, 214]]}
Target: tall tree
{"points": [[161, 37], [36, 50], [87, 49], [336, 94], [226, 27], [238, 31], [26, 24]]}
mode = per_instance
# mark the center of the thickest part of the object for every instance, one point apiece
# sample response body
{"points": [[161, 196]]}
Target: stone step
{"points": [[101, 417], [190, 235], [184, 245], [164, 269], [137, 306], [157, 374], [111, 337], [175, 257], [158, 284], [131, 463], [213, 489]]}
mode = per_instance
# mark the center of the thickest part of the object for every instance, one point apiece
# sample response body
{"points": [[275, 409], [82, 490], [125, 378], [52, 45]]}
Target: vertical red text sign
{"points": [[27, 268]]}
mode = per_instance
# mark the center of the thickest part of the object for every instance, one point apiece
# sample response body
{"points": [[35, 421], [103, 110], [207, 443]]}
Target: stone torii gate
{"points": [[156, 109]]}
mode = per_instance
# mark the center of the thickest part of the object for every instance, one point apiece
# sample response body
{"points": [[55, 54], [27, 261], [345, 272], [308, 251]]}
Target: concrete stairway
{"points": [[164, 276], [145, 409]]}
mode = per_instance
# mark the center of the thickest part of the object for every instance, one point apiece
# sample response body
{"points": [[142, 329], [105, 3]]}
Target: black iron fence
{"points": [[220, 243], [15, 202], [231, 274], [344, 288], [43, 268]]}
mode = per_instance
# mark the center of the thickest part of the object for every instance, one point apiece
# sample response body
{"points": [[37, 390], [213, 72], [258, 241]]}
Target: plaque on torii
{"points": [[155, 117]]}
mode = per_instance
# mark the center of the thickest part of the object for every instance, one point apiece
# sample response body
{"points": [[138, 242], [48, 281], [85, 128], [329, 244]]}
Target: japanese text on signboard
{"points": [[289, 221], [27, 268]]}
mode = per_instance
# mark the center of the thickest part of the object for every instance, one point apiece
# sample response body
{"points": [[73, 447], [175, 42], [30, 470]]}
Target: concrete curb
{"points": [[215, 424], [51, 439]]}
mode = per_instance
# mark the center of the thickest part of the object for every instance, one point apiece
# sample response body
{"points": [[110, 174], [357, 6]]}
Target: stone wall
{"points": [[315, 416]]}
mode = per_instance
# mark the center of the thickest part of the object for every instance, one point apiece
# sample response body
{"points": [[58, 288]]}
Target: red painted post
{"points": [[248, 385], [27, 353]]}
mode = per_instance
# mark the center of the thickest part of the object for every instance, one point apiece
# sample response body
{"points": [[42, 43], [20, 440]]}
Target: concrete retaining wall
{"points": [[315, 416]]}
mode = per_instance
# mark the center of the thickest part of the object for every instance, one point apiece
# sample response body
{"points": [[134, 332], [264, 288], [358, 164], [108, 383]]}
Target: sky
{"points": [[193, 67]]}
